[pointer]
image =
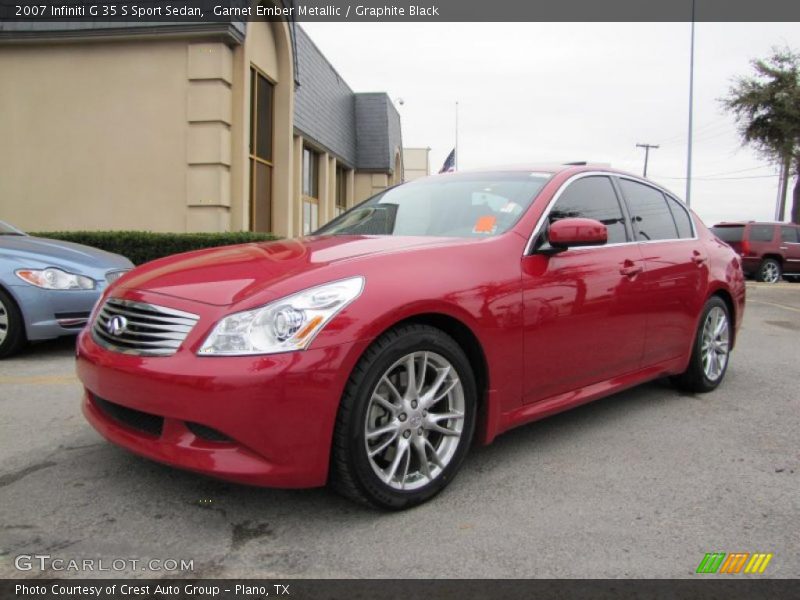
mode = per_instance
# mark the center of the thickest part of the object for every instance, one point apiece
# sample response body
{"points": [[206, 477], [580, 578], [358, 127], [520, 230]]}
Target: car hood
{"points": [[28, 250], [230, 274]]}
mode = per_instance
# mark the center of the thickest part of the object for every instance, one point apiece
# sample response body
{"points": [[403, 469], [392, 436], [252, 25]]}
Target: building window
{"points": [[261, 112], [341, 190], [310, 191]]}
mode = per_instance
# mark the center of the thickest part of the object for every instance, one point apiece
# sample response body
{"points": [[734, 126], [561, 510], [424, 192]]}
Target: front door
{"points": [[583, 308]]}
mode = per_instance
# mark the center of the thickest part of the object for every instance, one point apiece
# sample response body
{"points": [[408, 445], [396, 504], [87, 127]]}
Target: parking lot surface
{"points": [[641, 484]]}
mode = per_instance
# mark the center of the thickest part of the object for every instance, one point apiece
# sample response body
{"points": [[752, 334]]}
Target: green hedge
{"points": [[143, 246]]}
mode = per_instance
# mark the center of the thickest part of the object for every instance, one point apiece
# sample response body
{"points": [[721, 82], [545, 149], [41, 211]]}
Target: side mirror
{"points": [[576, 232]]}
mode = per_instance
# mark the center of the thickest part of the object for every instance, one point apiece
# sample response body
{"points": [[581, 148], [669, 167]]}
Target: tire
{"points": [[12, 330], [701, 375], [386, 470], [770, 271]]}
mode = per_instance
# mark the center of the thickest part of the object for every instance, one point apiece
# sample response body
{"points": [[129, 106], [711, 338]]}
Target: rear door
{"points": [[676, 269], [790, 246]]}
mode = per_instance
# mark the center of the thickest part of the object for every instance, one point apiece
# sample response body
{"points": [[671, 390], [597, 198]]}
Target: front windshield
{"points": [[475, 205], [6, 229]]}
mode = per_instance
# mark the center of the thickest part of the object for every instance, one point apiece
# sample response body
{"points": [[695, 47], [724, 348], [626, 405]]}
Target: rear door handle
{"points": [[698, 258], [631, 270]]}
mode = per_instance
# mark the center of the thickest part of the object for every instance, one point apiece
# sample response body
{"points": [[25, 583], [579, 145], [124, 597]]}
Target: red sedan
{"points": [[371, 354]]}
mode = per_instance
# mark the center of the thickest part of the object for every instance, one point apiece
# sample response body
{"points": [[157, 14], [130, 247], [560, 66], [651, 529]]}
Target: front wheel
{"points": [[406, 420], [711, 350], [12, 329]]}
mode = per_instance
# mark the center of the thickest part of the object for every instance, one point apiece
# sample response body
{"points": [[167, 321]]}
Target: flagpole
{"points": [[456, 156]]}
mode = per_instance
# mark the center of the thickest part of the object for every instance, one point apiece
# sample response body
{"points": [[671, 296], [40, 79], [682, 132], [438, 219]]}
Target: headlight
{"points": [[283, 325], [55, 279]]}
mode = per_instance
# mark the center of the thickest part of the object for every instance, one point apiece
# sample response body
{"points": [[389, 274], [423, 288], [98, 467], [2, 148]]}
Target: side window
{"points": [[681, 217], [652, 219], [790, 234], [592, 198], [762, 233]]}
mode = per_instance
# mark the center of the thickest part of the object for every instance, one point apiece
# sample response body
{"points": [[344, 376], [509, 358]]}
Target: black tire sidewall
{"points": [[415, 340], [15, 335]]}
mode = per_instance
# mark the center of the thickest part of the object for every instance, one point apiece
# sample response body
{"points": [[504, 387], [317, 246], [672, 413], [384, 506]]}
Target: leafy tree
{"points": [[766, 106]]}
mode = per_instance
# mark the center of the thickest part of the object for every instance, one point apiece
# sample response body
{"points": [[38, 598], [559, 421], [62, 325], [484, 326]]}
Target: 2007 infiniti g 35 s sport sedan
{"points": [[371, 354]]}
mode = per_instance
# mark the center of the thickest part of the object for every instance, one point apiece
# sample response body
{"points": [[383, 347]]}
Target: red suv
{"points": [[371, 354], [768, 250]]}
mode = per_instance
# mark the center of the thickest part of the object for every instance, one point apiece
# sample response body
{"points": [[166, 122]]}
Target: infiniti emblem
{"points": [[117, 325]]}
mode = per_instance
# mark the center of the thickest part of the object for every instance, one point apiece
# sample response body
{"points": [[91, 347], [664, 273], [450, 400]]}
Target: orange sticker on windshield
{"points": [[485, 224]]}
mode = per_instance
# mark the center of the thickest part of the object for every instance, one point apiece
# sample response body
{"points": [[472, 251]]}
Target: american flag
{"points": [[450, 164]]}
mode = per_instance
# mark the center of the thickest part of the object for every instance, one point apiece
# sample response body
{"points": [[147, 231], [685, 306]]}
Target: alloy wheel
{"points": [[3, 322], [716, 343], [414, 420], [770, 272]]}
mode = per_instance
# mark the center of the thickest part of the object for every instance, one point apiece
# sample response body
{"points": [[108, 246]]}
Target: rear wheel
{"points": [[769, 271], [711, 349], [406, 419], [12, 332]]}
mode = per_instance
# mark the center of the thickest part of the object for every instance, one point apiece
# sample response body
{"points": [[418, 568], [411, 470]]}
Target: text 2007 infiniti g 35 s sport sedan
{"points": [[371, 354]]}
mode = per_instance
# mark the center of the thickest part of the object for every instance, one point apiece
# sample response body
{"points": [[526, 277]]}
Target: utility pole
{"points": [[646, 154], [783, 187]]}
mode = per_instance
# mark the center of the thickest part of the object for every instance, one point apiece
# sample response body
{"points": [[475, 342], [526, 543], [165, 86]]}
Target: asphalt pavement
{"points": [[641, 484]]}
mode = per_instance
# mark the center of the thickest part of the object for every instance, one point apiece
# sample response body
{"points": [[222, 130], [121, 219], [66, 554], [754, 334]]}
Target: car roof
{"points": [[552, 168]]}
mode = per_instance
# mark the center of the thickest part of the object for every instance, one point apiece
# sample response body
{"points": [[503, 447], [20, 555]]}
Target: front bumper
{"points": [[54, 313], [275, 413]]}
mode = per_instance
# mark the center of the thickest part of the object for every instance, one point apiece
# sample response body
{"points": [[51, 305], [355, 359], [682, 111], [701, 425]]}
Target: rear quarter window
{"points": [[762, 233], [790, 234], [681, 216]]}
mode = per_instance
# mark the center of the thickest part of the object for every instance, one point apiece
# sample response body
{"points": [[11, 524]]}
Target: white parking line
{"points": [[783, 306], [39, 379]]}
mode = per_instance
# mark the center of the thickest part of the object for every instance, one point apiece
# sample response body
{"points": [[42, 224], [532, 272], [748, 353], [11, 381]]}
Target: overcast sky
{"points": [[533, 92]]}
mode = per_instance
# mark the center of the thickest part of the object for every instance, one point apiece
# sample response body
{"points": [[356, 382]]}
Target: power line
{"points": [[736, 171], [713, 126]]}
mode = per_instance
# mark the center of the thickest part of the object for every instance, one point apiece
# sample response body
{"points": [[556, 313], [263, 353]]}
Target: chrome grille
{"points": [[139, 328]]}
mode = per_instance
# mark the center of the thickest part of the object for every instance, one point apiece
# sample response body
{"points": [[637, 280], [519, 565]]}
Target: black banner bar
{"points": [[376, 589], [111, 13]]}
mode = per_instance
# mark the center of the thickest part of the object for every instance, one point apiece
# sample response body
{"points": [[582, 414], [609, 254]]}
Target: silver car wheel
{"points": [[716, 343], [770, 273], [414, 420], [3, 322]]}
